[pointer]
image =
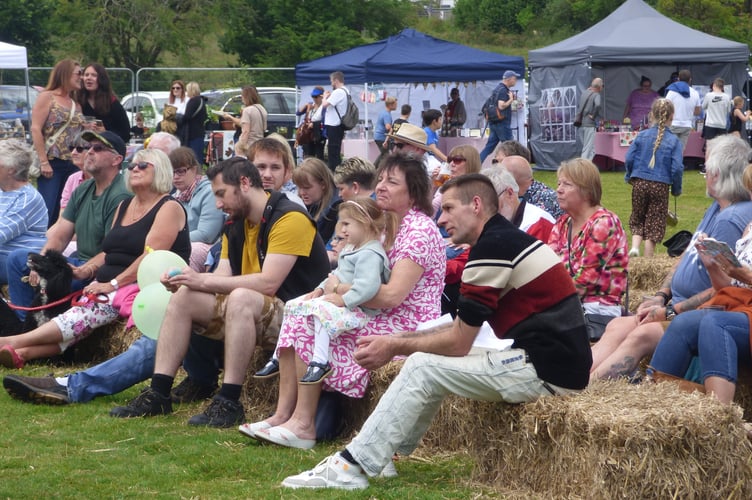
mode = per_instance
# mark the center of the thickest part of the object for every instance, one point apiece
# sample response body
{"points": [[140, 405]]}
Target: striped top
{"points": [[23, 219]]}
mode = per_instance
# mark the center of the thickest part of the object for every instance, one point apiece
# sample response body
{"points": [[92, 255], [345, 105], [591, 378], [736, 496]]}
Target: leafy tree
{"points": [[285, 32], [131, 33], [510, 16], [725, 18], [27, 23]]}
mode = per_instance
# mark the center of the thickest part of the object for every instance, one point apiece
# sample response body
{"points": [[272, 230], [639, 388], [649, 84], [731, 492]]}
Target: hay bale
{"points": [[616, 440], [648, 274]]}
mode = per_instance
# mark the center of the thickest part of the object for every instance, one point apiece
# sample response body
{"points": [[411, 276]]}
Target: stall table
{"points": [[610, 150]]}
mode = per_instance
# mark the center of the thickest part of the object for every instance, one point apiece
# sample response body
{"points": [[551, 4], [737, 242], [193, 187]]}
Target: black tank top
{"points": [[124, 244]]}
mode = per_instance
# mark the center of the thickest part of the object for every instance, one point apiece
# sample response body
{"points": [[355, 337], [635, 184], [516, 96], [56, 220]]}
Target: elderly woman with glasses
{"points": [[193, 190], [152, 219], [23, 219], [639, 102]]}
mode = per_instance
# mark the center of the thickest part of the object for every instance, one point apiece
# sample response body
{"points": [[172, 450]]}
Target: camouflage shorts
{"points": [[267, 326]]}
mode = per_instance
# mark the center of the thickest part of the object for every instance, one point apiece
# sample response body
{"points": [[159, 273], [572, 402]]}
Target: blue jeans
{"points": [[114, 375], [51, 189], [197, 145], [719, 338], [499, 132], [21, 294]]}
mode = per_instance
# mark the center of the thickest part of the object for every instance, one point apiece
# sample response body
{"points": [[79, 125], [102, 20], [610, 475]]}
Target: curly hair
{"points": [[661, 113]]}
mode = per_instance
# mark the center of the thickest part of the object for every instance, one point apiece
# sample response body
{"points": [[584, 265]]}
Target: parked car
{"points": [[150, 104], [15, 109]]}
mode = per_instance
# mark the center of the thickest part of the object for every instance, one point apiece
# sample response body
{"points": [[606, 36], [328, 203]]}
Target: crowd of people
{"points": [[331, 268]]}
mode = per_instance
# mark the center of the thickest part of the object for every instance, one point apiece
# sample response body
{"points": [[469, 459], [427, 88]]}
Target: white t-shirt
{"points": [[684, 108], [338, 100]]}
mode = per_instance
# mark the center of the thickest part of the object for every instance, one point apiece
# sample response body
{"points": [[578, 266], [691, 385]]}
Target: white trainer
{"points": [[332, 472], [389, 470], [634, 252]]}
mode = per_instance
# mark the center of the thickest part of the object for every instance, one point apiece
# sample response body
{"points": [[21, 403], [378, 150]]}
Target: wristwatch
{"points": [[670, 313], [114, 283]]}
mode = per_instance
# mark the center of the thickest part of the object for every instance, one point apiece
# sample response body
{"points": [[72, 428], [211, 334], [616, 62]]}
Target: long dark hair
{"points": [[103, 96]]}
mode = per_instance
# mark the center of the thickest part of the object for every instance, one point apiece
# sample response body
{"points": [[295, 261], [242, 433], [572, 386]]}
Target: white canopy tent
{"points": [[13, 57]]}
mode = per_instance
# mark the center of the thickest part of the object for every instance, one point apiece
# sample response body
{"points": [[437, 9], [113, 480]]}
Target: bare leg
{"points": [[649, 248], [303, 420], [288, 387], [641, 342], [636, 242], [47, 333], [38, 351], [243, 307], [185, 307], [721, 388], [616, 331]]}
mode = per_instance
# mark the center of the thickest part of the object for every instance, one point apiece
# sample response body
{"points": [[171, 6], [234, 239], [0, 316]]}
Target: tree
{"points": [[286, 32], [28, 23], [509, 16], [131, 33]]}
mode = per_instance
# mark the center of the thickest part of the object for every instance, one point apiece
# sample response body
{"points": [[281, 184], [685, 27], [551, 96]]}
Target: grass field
{"points": [[78, 451]]}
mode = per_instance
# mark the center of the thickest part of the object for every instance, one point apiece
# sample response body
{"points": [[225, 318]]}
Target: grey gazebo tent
{"points": [[634, 40]]}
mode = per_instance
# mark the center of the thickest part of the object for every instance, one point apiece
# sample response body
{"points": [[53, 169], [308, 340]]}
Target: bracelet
{"points": [[664, 295], [670, 313]]}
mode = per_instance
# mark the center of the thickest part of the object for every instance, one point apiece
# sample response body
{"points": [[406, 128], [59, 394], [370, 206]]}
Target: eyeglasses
{"points": [[79, 72], [78, 149], [179, 172], [177, 88], [142, 165], [456, 159], [98, 148], [495, 161]]}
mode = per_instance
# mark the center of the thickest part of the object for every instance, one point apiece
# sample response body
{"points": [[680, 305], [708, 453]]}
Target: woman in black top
{"points": [[192, 126], [152, 219], [97, 99]]}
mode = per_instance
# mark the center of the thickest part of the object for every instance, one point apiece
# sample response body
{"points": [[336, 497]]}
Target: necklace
{"points": [[136, 214]]}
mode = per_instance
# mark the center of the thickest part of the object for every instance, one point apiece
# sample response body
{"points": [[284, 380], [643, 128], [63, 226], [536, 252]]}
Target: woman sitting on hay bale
{"points": [[718, 332], [629, 339], [591, 242]]}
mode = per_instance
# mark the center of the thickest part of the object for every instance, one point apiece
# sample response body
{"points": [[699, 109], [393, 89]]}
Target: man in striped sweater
{"points": [[513, 281]]}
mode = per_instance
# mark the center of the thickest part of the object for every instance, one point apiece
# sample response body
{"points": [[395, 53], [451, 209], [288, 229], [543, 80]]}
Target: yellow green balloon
{"points": [[149, 309]]}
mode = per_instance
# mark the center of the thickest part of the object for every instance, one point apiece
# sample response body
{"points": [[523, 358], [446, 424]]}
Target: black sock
{"points": [[162, 384], [347, 456], [231, 391]]}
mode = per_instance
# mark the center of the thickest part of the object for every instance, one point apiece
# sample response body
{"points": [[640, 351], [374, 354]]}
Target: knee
{"points": [[243, 301]]}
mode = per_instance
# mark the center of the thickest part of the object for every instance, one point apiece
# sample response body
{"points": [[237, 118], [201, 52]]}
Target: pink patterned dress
{"points": [[419, 240]]}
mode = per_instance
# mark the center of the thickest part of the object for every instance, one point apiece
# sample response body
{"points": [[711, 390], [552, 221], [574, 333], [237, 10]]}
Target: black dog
{"points": [[55, 277]]}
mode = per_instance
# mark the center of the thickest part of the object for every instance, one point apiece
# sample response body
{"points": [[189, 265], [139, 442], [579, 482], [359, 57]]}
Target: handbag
{"points": [[304, 133], [672, 218], [676, 244], [595, 324], [578, 117]]}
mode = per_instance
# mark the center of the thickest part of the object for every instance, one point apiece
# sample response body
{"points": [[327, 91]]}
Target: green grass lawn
{"points": [[78, 451], [617, 197]]}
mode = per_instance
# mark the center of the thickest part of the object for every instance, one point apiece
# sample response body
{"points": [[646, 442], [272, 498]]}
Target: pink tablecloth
{"points": [[609, 149]]}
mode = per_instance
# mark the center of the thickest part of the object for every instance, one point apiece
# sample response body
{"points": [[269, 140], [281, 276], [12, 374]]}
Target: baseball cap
{"points": [[109, 139], [316, 92], [509, 74]]}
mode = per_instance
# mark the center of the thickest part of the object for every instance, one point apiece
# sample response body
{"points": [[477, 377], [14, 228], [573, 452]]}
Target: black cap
{"points": [[109, 139]]}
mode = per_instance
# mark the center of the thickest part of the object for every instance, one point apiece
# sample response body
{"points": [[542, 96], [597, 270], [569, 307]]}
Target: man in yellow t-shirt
{"points": [[271, 252]]}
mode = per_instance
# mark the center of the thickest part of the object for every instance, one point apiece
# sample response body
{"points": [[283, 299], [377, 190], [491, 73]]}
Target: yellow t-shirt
{"points": [[292, 234]]}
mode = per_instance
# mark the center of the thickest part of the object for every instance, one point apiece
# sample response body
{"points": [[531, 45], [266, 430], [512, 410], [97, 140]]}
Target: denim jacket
{"points": [[669, 164]]}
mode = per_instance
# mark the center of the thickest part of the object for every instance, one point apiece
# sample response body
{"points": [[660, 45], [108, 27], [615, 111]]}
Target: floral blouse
{"points": [[58, 117], [596, 258]]}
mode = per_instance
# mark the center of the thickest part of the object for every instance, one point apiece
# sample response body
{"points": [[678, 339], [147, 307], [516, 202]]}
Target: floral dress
{"points": [[418, 239], [57, 118], [596, 258]]}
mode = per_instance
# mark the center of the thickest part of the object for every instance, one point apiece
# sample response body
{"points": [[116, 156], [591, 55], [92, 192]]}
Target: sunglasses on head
{"points": [[456, 159], [142, 165], [78, 149]]}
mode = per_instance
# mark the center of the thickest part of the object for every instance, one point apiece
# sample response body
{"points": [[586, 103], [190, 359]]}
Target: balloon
{"points": [[149, 309], [155, 264]]}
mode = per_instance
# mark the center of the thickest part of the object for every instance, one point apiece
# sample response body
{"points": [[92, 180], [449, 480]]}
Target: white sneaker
{"points": [[389, 470], [634, 252], [332, 472]]}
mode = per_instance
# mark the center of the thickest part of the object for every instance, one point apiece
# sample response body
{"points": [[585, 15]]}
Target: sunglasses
{"points": [[78, 149], [399, 145], [98, 148], [179, 172], [456, 159], [495, 161], [177, 88], [142, 165]]}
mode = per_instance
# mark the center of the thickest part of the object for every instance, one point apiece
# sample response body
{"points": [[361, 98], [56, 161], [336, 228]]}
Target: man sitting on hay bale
{"points": [[511, 280]]}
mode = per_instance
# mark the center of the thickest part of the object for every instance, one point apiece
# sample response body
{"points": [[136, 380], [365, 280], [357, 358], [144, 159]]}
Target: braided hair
{"points": [[661, 113]]}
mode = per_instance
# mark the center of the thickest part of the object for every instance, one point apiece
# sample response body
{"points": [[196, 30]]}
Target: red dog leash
{"points": [[101, 298]]}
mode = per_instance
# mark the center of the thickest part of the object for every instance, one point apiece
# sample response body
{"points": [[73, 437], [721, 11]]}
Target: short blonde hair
{"points": [[162, 182], [192, 89], [390, 100], [586, 176]]}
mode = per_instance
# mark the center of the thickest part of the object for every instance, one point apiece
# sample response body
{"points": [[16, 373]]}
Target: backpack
{"points": [[351, 116], [491, 110]]}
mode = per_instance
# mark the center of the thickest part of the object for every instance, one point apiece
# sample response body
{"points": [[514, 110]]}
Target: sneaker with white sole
{"points": [[634, 252], [332, 472], [389, 471]]}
